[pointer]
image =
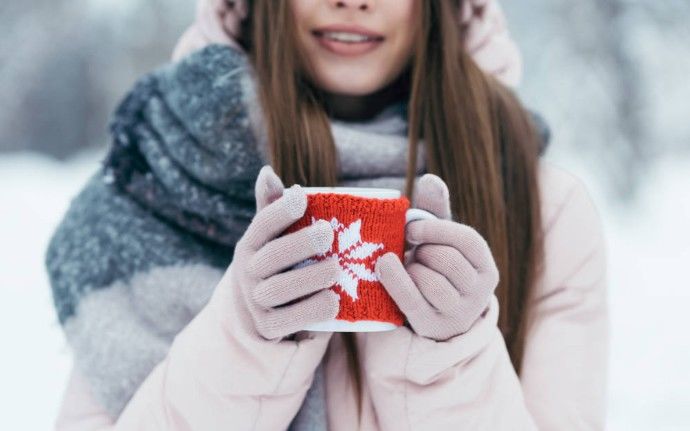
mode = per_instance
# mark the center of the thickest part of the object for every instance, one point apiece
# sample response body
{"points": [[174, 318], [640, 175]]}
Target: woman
{"points": [[166, 335]]}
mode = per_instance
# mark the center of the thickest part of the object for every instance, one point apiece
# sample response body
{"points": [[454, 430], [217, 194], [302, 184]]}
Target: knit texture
{"points": [[364, 229], [143, 244]]}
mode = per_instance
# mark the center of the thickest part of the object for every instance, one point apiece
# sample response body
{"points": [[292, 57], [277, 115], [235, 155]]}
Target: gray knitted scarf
{"points": [[143, 244]]}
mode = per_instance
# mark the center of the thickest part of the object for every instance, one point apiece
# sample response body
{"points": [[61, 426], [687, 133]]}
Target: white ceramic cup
{"points": [[412, 214]]}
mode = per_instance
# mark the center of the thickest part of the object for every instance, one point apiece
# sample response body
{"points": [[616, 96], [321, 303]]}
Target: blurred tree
{"points": [[625, 133], [605, 75], [64, 64]]}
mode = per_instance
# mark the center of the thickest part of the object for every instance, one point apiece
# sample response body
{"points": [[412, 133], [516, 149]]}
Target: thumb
{"points": [[400, 286], [268, 187], [431, 194]]}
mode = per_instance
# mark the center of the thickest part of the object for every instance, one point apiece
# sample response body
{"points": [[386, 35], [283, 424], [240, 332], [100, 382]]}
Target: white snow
{"points": [[650, 294], [34, 192], [649, 256]]}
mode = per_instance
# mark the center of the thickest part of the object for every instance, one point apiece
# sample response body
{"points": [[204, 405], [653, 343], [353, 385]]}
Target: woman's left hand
{"points": [[447, 280]]}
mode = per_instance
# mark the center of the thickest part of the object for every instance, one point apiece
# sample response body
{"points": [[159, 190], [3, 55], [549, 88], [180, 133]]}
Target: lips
{"points": [[351, 47], [349, 28]]}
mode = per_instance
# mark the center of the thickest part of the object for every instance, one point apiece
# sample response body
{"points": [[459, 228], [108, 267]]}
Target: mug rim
{"points": [[376, 192]]}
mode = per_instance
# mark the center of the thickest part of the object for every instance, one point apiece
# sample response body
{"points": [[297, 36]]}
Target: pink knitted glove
{"points": [[488, 39], [259, 279], [448, 277]]}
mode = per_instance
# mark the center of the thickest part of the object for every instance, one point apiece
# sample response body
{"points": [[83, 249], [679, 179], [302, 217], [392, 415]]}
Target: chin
{"points": [[350, 85]]}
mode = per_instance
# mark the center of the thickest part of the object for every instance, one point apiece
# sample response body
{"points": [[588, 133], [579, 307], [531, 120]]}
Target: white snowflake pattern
{"points": [[354, 256]]}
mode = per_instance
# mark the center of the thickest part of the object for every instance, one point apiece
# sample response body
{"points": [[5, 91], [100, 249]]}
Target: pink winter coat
{"points": [[466, 382]]}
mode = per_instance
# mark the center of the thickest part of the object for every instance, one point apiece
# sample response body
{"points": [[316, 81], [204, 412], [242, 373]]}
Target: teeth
{"points": [[346, 37]]}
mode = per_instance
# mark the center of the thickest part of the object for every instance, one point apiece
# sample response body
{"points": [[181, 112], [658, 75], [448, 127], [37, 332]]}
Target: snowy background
{"points": [[609, 76]]}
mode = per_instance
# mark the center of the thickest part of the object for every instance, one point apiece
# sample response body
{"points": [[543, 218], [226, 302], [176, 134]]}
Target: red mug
{"points": [[367, 223]]}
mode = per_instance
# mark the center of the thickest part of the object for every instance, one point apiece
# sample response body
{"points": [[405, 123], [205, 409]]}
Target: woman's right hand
{"points": [[261, 276], [234, 366]]}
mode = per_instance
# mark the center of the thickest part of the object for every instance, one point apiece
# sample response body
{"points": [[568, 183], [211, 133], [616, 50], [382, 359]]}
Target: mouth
{"points": [[347, 40]]}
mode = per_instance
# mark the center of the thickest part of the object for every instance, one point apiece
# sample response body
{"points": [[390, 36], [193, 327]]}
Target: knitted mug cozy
{"points": [[365, 228]]}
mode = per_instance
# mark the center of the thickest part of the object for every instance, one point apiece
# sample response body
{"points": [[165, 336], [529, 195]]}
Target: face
{"points": [[355, 47]]}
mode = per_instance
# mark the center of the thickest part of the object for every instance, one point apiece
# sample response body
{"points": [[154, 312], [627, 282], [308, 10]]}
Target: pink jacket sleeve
{"points": [[195, 387], [468, 382]]}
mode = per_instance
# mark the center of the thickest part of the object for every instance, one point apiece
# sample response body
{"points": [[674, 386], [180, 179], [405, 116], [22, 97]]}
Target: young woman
{"points": [[170, 278]]}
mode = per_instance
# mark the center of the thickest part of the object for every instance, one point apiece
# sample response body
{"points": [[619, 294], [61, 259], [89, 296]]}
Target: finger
{"points": [[408, 257], [276, 217], [279, 322], [288, 286], [395, 279], [432, 195], [436, 288], [449, 262], [457, 235], [268, 187], [290, 249]]}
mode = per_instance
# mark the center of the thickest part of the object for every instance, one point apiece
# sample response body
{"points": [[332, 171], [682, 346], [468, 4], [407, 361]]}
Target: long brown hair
{"points": [[479, 139]]}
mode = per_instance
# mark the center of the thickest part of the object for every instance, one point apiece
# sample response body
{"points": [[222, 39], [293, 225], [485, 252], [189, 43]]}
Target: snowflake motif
{"points": [[356, 257]]}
